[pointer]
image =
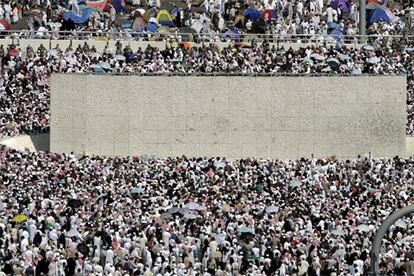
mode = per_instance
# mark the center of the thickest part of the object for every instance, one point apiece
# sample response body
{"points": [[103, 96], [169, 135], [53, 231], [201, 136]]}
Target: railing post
{"points": [[362, 20]]}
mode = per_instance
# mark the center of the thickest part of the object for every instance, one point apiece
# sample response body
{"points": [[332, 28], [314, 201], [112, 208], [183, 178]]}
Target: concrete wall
{"points": [[135, 45], [284, 117]]}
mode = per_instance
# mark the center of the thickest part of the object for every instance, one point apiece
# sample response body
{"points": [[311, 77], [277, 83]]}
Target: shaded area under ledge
{"points": [[36, 142]]}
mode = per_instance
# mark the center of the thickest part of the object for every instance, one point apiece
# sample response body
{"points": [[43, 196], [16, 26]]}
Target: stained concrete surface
{"points": [[283, 117]]}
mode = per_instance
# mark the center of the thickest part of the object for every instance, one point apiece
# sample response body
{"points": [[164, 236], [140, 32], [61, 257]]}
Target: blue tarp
{"points": [[174, 12], [86, 13], [117, 5], [378, 15], [252, 14], [344, 5], [336, 34], [232, 34], [167, 23], [152, 27], [332, 25]]}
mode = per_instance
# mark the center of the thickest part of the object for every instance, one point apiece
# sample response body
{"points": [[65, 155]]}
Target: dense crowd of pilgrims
{"points": [[24, 83], [79, 214], [65, 214]]}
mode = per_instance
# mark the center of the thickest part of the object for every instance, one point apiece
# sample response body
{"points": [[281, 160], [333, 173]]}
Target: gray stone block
{"points": [[278, 117]]}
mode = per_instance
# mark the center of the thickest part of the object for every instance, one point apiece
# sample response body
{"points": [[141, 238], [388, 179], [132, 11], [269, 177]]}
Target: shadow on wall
{"points": [[41, 142], [38, 142]]}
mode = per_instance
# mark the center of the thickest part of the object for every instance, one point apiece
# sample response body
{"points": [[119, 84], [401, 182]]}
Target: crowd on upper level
{"points": [[276, 17], [24, 85], [88, 215]]}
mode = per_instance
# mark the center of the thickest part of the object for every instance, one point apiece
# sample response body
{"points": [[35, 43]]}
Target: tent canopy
{"points": [[98, 5], [118, 5], [187, 33], [344, 5], [4, 25], [150, 13], [163, 30], [381, 14], [164, 18]]}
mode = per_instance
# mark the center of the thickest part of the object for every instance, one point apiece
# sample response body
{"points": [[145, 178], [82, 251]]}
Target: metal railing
{"points": [[194, 37], [230, 74]]}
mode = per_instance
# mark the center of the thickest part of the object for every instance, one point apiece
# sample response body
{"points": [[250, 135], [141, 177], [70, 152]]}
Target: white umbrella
{"points": [[295, 183], [401, 223], [105, 65], [72, 233], [374, 60], [185, 211], [173, 210], [409, 50], [356, 72], [317, 56], [220, 238], [137, 190], [219, 164], [195, 206], [95, 55], [120, 57], [368, 47], [344, 57], [363, 228], [272, 209], [245, 229], [53, 52], [190, 216], [192, 205], [166, 215], [197, 26], [338, 232], [407, 239], [333, 60]]}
